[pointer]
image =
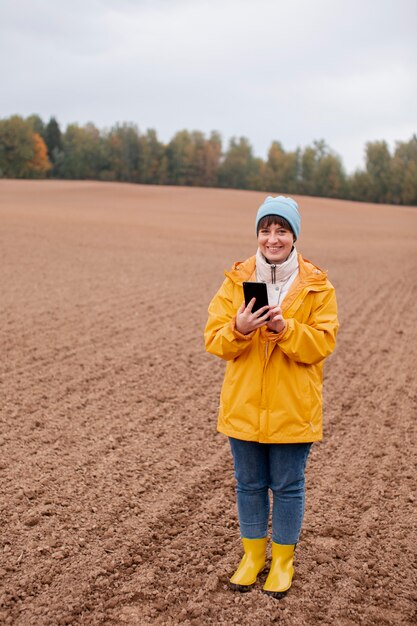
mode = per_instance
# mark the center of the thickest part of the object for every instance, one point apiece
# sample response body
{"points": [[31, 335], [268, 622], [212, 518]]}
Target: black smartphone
{"points": [[258, 291]]}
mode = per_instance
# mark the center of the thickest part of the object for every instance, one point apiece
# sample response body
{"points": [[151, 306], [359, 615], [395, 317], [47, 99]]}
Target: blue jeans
{"points": [[276, 466]]}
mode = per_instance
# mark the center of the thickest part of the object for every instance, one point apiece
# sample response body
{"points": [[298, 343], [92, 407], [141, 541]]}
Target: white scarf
{"points": [[278, 277]]}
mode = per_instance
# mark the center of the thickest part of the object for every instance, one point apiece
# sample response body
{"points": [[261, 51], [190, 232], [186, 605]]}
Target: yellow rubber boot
{"points": [[253, 562], [282, 570]]}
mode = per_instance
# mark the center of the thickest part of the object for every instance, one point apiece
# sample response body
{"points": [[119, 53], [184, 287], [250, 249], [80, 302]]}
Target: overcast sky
{"points": [[292, 71]]}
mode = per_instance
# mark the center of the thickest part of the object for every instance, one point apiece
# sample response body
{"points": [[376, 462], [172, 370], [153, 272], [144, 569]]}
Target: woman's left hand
{"points": [[276, 321]]}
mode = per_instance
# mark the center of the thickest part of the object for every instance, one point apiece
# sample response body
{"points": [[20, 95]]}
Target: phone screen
{"points": [[258, 291]]}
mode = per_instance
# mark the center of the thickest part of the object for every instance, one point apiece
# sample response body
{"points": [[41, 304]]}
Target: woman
{"points": [[271, 401]]}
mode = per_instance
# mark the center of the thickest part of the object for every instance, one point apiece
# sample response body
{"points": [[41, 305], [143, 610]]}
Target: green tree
{"points": [[211, 160], [192, 159], [238, 165], [321, 172], [36, 124], [163, 171], [126, 153], [331, 178], [308, 171], [281, 171], [53, 139], [404, 172], [179, 158], [378, 168], [203, 159], [359, 186], [85, 156], [154, 168]]}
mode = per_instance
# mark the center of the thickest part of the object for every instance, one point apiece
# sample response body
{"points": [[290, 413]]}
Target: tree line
{"points": [[31, 148]]}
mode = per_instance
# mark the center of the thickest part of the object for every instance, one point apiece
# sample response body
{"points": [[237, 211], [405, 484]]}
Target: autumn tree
{"points": [[39, 165], [22, 152]]}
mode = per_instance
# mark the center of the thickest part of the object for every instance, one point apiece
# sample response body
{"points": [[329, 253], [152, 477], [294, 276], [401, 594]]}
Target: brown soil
{"points": [[117, 494]]}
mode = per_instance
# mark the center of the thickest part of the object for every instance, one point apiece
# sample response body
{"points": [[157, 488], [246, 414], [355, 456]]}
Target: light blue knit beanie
{"points": [[282, 206]]}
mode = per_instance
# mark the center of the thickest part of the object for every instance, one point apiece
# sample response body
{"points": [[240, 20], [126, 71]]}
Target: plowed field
{"points": [[117, 494]]}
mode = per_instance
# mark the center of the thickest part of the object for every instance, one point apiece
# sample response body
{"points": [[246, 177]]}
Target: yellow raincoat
{"points": [[272, 389]]}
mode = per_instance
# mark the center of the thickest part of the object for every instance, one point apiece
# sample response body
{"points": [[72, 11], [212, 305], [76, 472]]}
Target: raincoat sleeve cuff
{"points": [[277, 337], [239, 335]]}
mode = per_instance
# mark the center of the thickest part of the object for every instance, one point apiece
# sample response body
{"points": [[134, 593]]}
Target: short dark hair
{"points": [[268, 220]]}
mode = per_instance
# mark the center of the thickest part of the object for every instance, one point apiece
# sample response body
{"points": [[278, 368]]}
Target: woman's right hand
{"points": [[246, 321]]}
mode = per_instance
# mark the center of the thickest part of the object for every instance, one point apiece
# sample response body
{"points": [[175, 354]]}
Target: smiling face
{"points": [[275, 240]]}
